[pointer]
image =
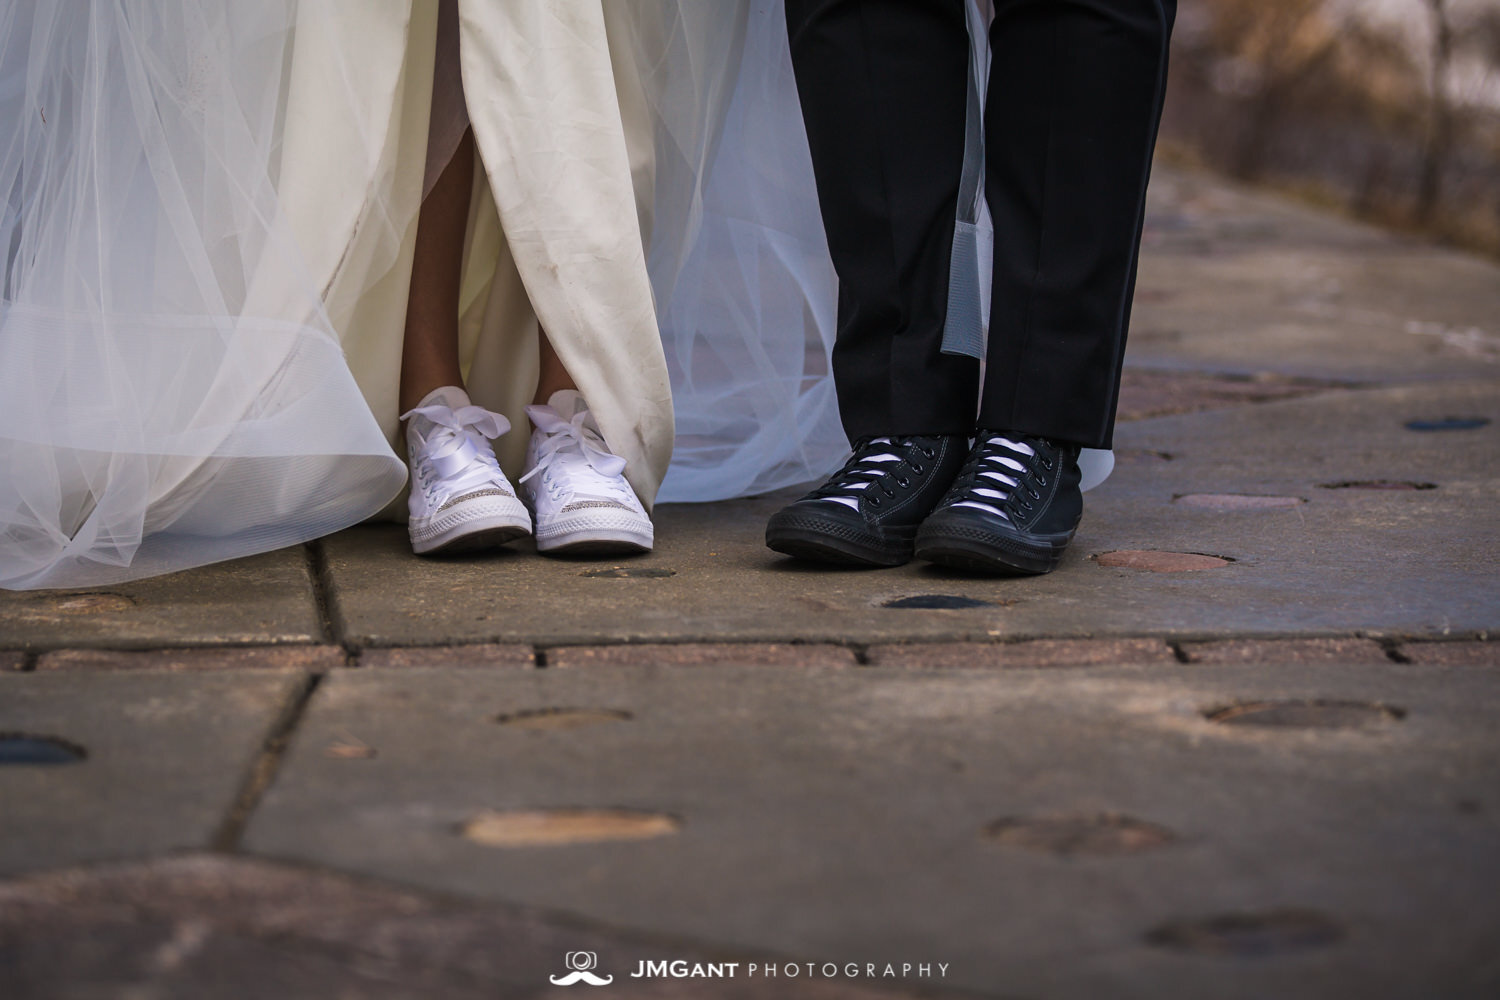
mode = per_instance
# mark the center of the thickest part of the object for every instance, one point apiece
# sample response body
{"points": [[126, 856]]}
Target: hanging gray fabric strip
{"points": [[968, 268]]}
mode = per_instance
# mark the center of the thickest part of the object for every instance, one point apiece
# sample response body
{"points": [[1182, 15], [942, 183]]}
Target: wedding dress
{"points": [[208, 211]]}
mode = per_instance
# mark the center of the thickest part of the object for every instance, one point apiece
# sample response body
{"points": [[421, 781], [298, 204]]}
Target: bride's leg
{"points": [[554, 375], [460, 500], [429, 355]]}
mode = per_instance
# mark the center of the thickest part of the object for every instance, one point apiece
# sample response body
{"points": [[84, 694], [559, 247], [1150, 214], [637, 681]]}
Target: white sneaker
{"points": [[460, 500], [583, 504]]}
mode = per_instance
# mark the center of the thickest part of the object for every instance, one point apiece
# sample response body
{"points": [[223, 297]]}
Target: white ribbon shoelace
{"points": [[568, 440], [450, 454]]}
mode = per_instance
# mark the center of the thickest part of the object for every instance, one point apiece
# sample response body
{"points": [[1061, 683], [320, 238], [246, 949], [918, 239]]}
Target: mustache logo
{"points": [[581, 963], [581, 976]]}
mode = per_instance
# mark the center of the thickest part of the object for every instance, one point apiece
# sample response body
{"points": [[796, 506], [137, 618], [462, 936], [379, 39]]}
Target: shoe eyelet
{"points": [[917, 469], [874, 501], [1027, 505], [1047, 464], [903, 482], [1041, 481], [1033, 494], [928, 453]]}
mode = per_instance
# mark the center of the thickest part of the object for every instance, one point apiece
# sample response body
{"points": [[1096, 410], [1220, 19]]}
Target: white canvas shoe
{"points": [[583, 504], [460, 501]]}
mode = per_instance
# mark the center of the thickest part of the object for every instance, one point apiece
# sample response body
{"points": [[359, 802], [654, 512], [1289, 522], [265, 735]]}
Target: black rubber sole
{"points": [[818, 540], [978, 551]]}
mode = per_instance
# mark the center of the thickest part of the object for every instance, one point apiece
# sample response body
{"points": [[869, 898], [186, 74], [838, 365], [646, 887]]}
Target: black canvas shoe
{"points": [[867, 514], [1013, 508]]}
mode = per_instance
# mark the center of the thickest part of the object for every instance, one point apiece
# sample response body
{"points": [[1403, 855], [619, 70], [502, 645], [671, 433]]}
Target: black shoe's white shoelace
{"points": [[1003, 467], [873, 460]]}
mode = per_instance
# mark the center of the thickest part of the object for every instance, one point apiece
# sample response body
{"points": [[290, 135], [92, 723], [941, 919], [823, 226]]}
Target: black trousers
{"points": [[1074, 98]]}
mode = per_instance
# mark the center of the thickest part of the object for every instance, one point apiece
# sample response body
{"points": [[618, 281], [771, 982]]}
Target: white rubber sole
{"points": [[470, 527], [596, 536]]}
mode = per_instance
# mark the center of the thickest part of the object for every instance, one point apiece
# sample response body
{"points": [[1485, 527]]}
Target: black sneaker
{"points": [[867, 514], [1013, 508]]}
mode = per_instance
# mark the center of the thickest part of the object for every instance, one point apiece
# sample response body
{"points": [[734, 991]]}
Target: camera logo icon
{"points": [[581, 966]]}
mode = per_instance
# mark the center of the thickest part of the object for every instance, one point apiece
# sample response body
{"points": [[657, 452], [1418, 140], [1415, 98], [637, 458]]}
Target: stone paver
{"points": [[1146, 392], [212, 658], [1286, 651], [476, 655], [699, 654], [1344, 561], [1453, 654], [843, 813], [263, 599], [1232, 281], [1160, 560], [1237, 501], [166, 756], [217, 928], [1035, 653]]}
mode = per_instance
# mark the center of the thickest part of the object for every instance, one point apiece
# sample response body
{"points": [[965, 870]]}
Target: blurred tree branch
{"points": [[1439, 142], [1393, 112], [1282, 46]]}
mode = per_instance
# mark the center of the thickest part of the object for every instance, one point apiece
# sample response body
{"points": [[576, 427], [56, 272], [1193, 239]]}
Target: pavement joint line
{"points": [[692, 640], [1402, 638], [329, 620], [267, 764], [1258, 376], [858, 650], [1170, 636], [1393, 650], [1477, 635], [1393, 646]]}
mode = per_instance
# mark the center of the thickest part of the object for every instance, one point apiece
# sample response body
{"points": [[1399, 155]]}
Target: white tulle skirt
{"points": [[745, 289], [171, 391], [193, 356]]}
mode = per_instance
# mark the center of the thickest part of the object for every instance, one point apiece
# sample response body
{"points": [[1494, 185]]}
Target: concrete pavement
{"points": [[1242, 743]]}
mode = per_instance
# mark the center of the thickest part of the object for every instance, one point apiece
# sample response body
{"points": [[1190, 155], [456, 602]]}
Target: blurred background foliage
{"points": [[1387, 109]]}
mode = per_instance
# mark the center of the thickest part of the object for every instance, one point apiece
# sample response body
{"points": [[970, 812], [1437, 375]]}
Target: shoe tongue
{"points": [[450, 396], [568, 403]]}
